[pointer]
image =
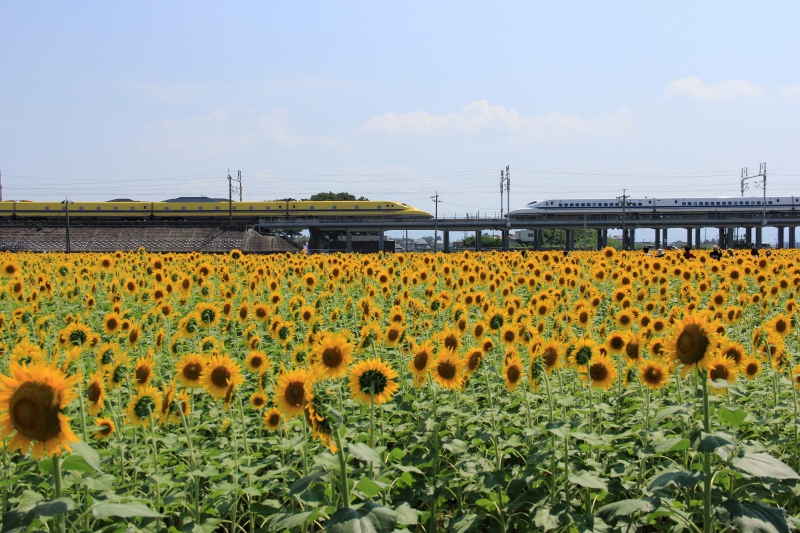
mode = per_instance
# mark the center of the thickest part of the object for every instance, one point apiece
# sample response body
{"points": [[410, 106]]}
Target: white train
{"points": [[641, 205]]}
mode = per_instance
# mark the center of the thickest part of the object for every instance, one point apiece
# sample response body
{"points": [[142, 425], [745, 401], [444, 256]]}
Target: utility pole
{"points": [[66, 204], [502, 180], [436, 220], [623, 198], [508, 192], [762, 173], [1, 185], [231, 190]]}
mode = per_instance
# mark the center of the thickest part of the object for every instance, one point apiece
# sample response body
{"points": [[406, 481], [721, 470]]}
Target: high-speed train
{"points": [[643, 205]]}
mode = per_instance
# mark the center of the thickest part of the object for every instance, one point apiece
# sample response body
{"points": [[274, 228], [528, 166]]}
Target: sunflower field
{"points": [[597, 391]]}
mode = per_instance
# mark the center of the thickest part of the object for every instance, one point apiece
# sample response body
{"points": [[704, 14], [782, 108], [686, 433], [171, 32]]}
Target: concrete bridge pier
{"points": [[380, 239], [792, 237], [657, 240], [505, 239], [570, 239], [314, 240], [758, 237], [349, 241], [748, 237], [538, 239], [445, 240], [478, 241], [781, 243], [697, 241]]}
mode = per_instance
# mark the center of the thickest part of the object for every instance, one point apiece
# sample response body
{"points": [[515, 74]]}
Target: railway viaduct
{"points": [[726, 222]]}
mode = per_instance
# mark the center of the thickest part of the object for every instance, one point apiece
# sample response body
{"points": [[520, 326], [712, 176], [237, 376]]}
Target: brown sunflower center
{"points": [[421, 360], [475, 358], [256, 361], [95, 390], [446, 370], [691, 345], [617, 343], [112, 324], [393, 335], [583, 317], [332, 357], [632, 350], [34, 409], [652, 375], [550, 357], [719, 372], [598, 372], [451, 342], [781, 326], [142, 374], [295, 394], [220, 376], [192, 371], [752, 369], [513, 374], [509, 336], [478, 330], [734, 354], [274, 419]]}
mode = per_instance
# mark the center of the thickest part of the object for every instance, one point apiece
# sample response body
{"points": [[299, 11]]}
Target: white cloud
{"points": [[693, 87], [226, 130], [790, 90], [479, 117]]}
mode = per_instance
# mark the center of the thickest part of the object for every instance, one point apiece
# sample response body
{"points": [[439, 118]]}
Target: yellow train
{"points": [[206, 208]]}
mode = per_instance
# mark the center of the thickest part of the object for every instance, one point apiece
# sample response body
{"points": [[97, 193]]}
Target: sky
{"points": [[398, 100]]}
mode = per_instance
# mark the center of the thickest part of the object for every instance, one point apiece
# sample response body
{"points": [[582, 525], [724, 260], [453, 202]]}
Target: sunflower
{"points": [[96, 392], [26, 353], [509, 334], [373, 380], [550, 356], [112, 323], [290, 396], [720, 367], [625, 319], [691, 343], [257, 362], [487, 345], [779, 325], [190, 368], [332, 353], [654, 374], [321, 417], [602, 372], [368, 335], [478, 329], [616, 342], [751, 367], [473, 359], [144, 405], [307, 314], [32, 401], [258, 400], [420, 363], [512, 373], [143, 371], [272, 419], [209, 344], [208, 313], [172, 402], [300, 354], [448, 369], [221, 376], [633, 345], [495, 317], [582, 353], [733, 350], [105, 428], [189, 325]]}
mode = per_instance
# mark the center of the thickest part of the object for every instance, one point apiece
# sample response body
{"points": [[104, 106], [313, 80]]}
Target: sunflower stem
{"points": [[342, 470], [196, 495], [57, 485], [85, 439], [707, 525], [554, 484]]}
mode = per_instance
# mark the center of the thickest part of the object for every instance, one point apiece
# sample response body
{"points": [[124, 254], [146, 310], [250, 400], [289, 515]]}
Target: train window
{"points": [[251, 208], [676, 201], [770, 203], [294, 207], [379, 207], [583, 205], [333, 207], [683, 203], [200, 207], [166, 208], [312, 207], [46, 208], [594, 204], [778, 201], [132, 208], [115, 208], [268, 208], [80, 208], [183, 208], [234, 208], [640, 203], [357, 207]]}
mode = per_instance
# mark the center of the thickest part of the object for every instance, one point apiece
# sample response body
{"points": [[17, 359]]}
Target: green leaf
{"points": [[369, 487], [88, 453], [731, 417], [764, 465], [76, 463], [122, 510], [369, 518], [456, 446], [675, 444], [753, 517], [625, 508], [23, 516], [679, 478], [293, 520], [361, 451], [588, 479], [302, 484], [719, 443], [407, 515], [669, 412], [559, 429]]}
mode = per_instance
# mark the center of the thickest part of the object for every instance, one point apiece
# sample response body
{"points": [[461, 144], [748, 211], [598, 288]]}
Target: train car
{"points": [[642, 205], [7, 208]]}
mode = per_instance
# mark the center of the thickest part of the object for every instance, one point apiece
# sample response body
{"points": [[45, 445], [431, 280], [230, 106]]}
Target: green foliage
{"points": [[330, 195]]}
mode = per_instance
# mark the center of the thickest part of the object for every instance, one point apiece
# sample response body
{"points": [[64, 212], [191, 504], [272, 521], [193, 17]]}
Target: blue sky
{"points": [[396, 100]]}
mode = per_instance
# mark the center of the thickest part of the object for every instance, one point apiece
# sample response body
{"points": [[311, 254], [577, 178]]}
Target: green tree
{"points": [[330, 195], [487, 241]]}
